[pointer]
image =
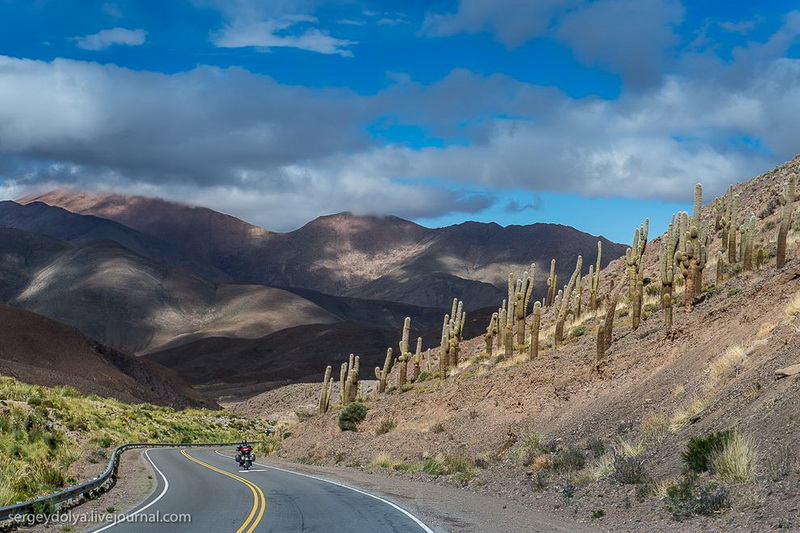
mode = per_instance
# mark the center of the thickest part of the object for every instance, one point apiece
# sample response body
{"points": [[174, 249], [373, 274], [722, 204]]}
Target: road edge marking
{"points": [[134, 513], [416, 520]]}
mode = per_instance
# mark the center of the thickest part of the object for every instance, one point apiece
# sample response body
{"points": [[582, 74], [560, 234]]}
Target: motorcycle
{"points": [[245, 458]]}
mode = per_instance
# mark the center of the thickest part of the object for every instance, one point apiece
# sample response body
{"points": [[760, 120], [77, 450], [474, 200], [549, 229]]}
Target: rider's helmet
{"points": [[244, 442]]}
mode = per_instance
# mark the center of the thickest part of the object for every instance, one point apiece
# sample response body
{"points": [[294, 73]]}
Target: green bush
{"points": [[351, 415], [700, 450]]}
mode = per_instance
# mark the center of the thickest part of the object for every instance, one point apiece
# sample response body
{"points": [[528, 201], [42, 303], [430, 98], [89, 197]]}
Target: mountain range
{"points": [[189, 286]]}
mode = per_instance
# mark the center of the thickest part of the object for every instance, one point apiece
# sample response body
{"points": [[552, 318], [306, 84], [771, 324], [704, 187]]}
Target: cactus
{"points": [[348, 380], [633, 257], [443, 348], [325, 394], [417, 368], [725, 222], [501, 324], [732, 229], [382, 374], [691, 257], [601, 343], [552, 279], [491, 332], [533, 347], [405, 353], [747, 241], [720, 268], [595, 279], [786, 200], [611, 311], [638, 299], [667, 259], [564, 310]]}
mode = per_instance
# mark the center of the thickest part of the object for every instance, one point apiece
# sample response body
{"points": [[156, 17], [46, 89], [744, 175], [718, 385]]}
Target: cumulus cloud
{"points": [[106, 38], [279, 155]]}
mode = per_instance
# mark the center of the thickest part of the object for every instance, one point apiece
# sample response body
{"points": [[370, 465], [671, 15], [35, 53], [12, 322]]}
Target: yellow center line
{"points": [[259, 501]]}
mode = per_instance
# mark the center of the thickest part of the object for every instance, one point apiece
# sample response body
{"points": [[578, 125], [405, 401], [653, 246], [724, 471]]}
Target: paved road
{"points": [[220, 497]]}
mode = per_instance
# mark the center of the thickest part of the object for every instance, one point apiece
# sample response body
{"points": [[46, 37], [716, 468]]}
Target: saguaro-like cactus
{"points": [[405, 353], [747, 241], [325, 393], [564, 309], [601, 343], [552, 281], [786, 200], [348, 380], [491, 332], [667, 260], [720, 268], [608, 323], [633, 257], [594, 276], [533, 347], [417, 360], [382, 374]]}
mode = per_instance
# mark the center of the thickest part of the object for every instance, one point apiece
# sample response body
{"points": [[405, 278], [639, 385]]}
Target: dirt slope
{"points": [[714, 372], [36, 349]]}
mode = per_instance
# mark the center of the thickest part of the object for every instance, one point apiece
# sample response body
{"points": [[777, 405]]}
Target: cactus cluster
{"points": [[452, 331], [348, 380]]}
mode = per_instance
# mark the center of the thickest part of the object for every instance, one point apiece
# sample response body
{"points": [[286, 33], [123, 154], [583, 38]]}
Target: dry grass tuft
{"points": [[733, 359], [655, 428], [792, 308], [385, 460], [765, 329], [737, 460], [684, 414], [628, 448]]}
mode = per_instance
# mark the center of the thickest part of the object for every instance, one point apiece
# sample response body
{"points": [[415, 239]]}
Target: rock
{"points": [[788, 371]]}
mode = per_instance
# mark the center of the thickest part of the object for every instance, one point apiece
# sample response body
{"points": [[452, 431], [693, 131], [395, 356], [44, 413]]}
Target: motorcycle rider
{"points": [[242, 451]]}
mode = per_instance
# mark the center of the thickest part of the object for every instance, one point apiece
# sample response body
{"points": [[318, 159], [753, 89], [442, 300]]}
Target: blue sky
{"points": [[594, 114]]}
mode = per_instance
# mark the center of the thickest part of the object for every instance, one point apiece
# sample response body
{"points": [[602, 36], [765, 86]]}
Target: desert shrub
{"points": [[385, 460], [596, 447], [735, 461], [569, 460], [579, 331], [406, 387], [691, 497], [653, 290], [781, 465], [302, 416], [351, 415], [386, 425], [269, 445], [438, 428], [734, 291], [424, 376], [700, 450], [630, 471], [655, 428], [539, 480]]}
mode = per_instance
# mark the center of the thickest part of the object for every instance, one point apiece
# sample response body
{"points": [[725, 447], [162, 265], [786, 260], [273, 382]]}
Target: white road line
{"points": [[163, 492], [416, 520]]}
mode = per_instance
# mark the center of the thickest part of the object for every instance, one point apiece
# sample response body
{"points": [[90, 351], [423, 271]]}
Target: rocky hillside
{"points": [[608, 439], [368, 257], [36, 349]]}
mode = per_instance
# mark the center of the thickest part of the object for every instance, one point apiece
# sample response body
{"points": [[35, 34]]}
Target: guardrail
{"points": [[75, 493]]}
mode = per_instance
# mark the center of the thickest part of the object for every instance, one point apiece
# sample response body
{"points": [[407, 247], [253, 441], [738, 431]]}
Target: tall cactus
{"points": [[595, 279], [348, 380], [733, 227], [491, 332], [608, 323], [633, 257], [533, 347], [382, 374], [325, 394], [725, 221], [444, 348], [786, 200], [667, 259], [417, 360], [565, 309], [405, 353], [552, 281]]}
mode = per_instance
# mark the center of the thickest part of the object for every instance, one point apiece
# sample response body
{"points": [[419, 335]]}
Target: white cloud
{"points": [[266, 34], [106, 38]]}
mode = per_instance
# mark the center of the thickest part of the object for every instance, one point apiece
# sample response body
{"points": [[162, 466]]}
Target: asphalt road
{"points": [[219, 497]]}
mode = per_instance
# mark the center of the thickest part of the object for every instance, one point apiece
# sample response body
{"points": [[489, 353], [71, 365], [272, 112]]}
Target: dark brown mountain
{"points": [[372, 257], [36, 349], [53, 221], [128, 301]]}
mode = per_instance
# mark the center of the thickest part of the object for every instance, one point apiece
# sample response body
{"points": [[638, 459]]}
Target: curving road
{"points": [[220, 497]]}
